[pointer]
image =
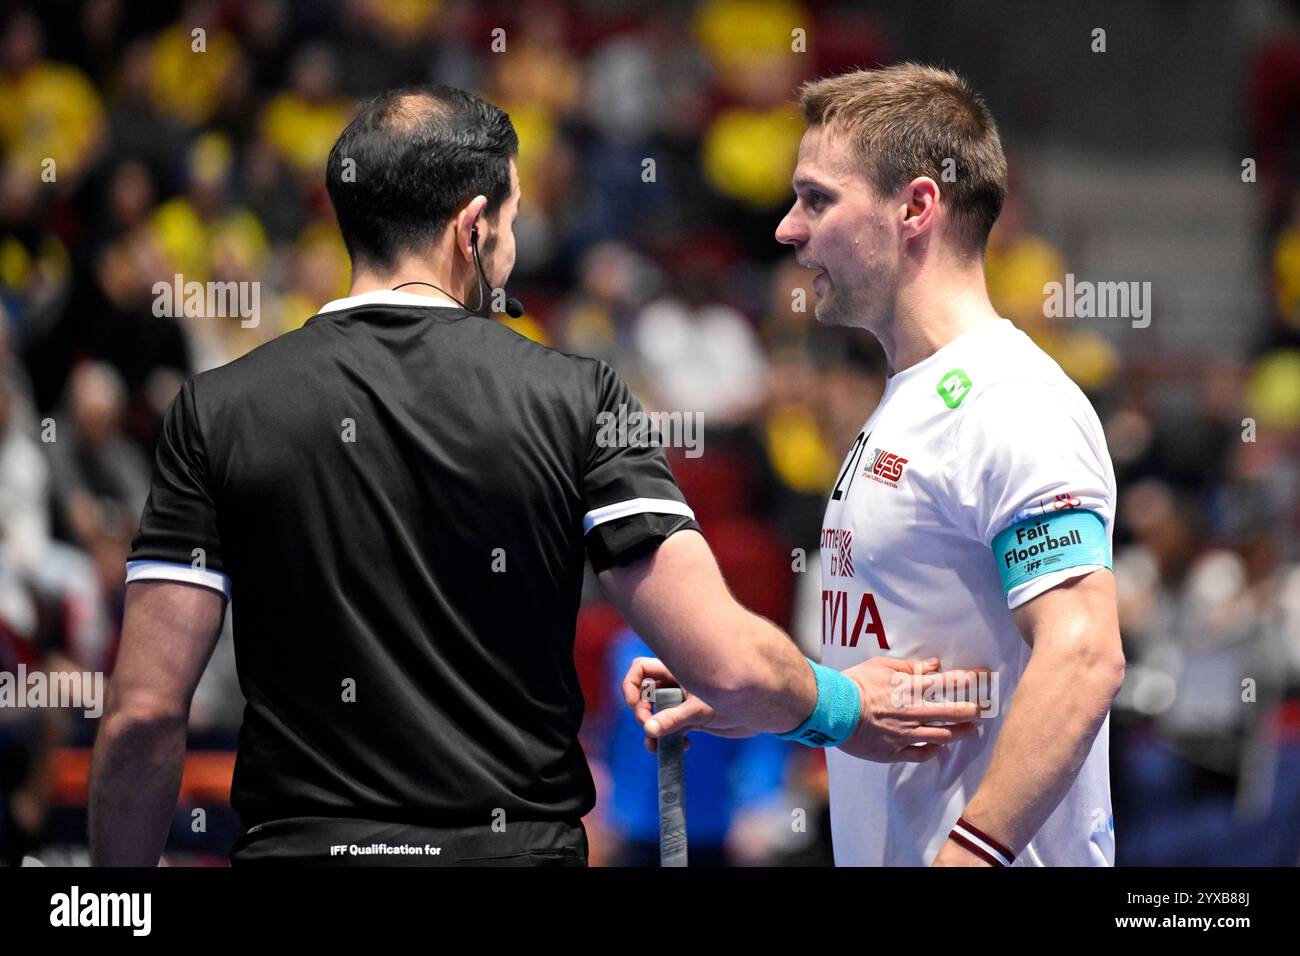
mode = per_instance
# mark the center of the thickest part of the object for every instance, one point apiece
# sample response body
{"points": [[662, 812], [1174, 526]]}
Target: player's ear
{"points": [[920, 204], [467, 219]]}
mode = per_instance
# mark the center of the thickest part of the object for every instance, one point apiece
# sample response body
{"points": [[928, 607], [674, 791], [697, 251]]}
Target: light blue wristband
{"points": [[836, 715]]}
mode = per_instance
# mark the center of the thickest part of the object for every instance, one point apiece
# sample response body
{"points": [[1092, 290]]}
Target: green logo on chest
{"points": [[952, 388]]}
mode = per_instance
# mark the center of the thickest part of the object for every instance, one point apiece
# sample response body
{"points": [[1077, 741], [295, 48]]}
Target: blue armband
{"points": [[1043, 544], [836, 715]]}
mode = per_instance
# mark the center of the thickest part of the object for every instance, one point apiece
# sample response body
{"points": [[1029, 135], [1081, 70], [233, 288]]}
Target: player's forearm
{"points": [[1058, 708], [135, 777]]}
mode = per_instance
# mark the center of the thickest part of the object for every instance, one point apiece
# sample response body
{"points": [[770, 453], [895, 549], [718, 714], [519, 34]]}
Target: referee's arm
{"points": [[742, 664], [173, 616], [168, 635]]}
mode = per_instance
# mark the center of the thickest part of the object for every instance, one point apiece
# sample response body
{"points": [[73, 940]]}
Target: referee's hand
{"points": [[691, 714], [902, 700]]}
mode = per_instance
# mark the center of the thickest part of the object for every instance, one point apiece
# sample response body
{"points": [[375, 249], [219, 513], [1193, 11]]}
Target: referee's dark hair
{"points": [[418, 154]]}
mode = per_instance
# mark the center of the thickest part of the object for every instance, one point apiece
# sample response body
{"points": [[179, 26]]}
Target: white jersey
{"points": [[983, 434]]}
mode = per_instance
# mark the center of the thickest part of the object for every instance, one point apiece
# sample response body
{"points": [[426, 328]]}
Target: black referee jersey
{"points": [[397, 499]]}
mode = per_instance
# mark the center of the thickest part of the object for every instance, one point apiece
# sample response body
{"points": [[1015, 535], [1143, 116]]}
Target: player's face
{"points": [[842, 229], [497, 249]]}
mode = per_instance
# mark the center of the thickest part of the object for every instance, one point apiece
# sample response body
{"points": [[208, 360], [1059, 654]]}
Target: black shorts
{"points": [[345, 841]]}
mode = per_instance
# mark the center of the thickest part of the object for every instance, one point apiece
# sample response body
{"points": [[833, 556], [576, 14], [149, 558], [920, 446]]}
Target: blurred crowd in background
{"points": [[656, 153]]}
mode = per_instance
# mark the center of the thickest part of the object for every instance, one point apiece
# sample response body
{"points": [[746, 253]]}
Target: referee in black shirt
{"points": [[398, 498]]}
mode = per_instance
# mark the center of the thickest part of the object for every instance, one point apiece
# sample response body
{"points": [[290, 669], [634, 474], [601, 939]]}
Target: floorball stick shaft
{"points": [[672, 786]]}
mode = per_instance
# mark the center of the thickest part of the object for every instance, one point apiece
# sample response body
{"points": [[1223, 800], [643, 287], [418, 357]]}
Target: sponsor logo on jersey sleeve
{"points": [[1048, 506]]}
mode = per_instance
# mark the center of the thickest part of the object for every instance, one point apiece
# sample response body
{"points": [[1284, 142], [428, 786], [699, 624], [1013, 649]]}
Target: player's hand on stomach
{"points": [[902, 701], [692, 714]]}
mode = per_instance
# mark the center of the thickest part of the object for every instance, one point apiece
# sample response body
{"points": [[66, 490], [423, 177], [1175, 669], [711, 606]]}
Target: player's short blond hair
{"points": [[907, 121]]}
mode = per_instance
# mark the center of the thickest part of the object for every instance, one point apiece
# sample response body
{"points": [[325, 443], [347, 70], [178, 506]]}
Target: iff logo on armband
{"points": [[1041, 545]]}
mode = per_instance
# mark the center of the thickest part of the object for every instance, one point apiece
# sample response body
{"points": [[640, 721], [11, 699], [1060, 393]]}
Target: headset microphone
{"points": [[514, 308]]}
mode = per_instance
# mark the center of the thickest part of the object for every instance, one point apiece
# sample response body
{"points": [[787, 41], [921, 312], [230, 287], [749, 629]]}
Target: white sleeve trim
{"points": [[173, 571], [1045, 582], [634, 506]]}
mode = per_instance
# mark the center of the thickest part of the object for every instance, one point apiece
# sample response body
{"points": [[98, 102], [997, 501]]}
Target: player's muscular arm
{"points": [[742, 664], [1074, 673], [168, 636]]}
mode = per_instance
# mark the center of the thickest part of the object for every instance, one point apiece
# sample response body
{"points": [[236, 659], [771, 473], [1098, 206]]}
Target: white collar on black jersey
{"points": [[388, 297]]}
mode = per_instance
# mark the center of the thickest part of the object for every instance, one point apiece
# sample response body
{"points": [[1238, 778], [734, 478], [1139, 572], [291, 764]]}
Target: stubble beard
{"points": [[836, 309]]}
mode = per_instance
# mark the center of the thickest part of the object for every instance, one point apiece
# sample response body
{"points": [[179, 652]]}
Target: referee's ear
{"points": [[471, 215]]}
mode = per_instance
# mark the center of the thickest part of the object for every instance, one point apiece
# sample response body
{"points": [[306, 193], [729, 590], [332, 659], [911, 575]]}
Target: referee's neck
{"points": [[416, 276]]}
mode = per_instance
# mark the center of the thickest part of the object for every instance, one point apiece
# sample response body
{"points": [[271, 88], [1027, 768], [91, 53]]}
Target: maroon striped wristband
{"points": [[981, 844]]}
